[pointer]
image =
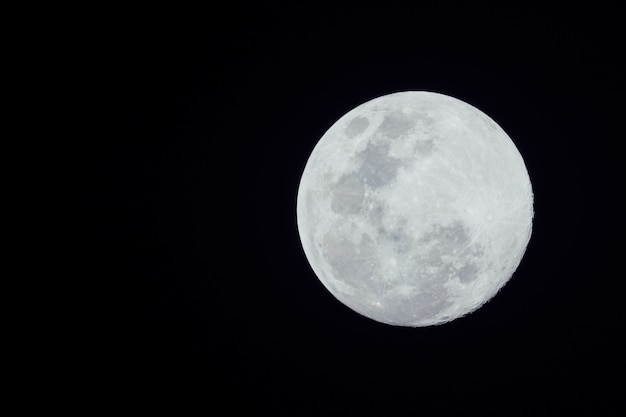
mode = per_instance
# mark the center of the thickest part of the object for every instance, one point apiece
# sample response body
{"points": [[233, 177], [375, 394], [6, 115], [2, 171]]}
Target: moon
{"points": [[414, 209]]}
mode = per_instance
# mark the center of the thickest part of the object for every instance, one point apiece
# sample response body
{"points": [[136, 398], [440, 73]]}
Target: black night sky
{"points": [[211, 300]]}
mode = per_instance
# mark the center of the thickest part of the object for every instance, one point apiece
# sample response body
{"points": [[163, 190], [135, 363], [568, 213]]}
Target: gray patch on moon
{"points": [[378, 168], [356, 126], [467, 273], [425, 133], [396, 124], [347, 195], [423, 303], [424, 147], [375, 211], [396, 235], [353, 264], [450, 253], [446, 238]]}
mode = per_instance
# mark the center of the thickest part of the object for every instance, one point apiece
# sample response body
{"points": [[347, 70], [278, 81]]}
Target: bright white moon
{"points": [[414, 209]]}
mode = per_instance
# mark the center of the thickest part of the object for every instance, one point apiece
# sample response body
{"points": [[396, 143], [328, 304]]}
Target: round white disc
{"points": [[414, 208]]}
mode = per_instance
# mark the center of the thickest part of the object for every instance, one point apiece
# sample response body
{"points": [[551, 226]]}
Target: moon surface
{"points": [[414, 209]]}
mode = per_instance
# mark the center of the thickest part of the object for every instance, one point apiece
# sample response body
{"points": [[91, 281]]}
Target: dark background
{"points": [[210, 116]]}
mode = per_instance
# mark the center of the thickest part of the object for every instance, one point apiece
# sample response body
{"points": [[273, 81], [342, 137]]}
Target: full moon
{"points": [[414, 209]]}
